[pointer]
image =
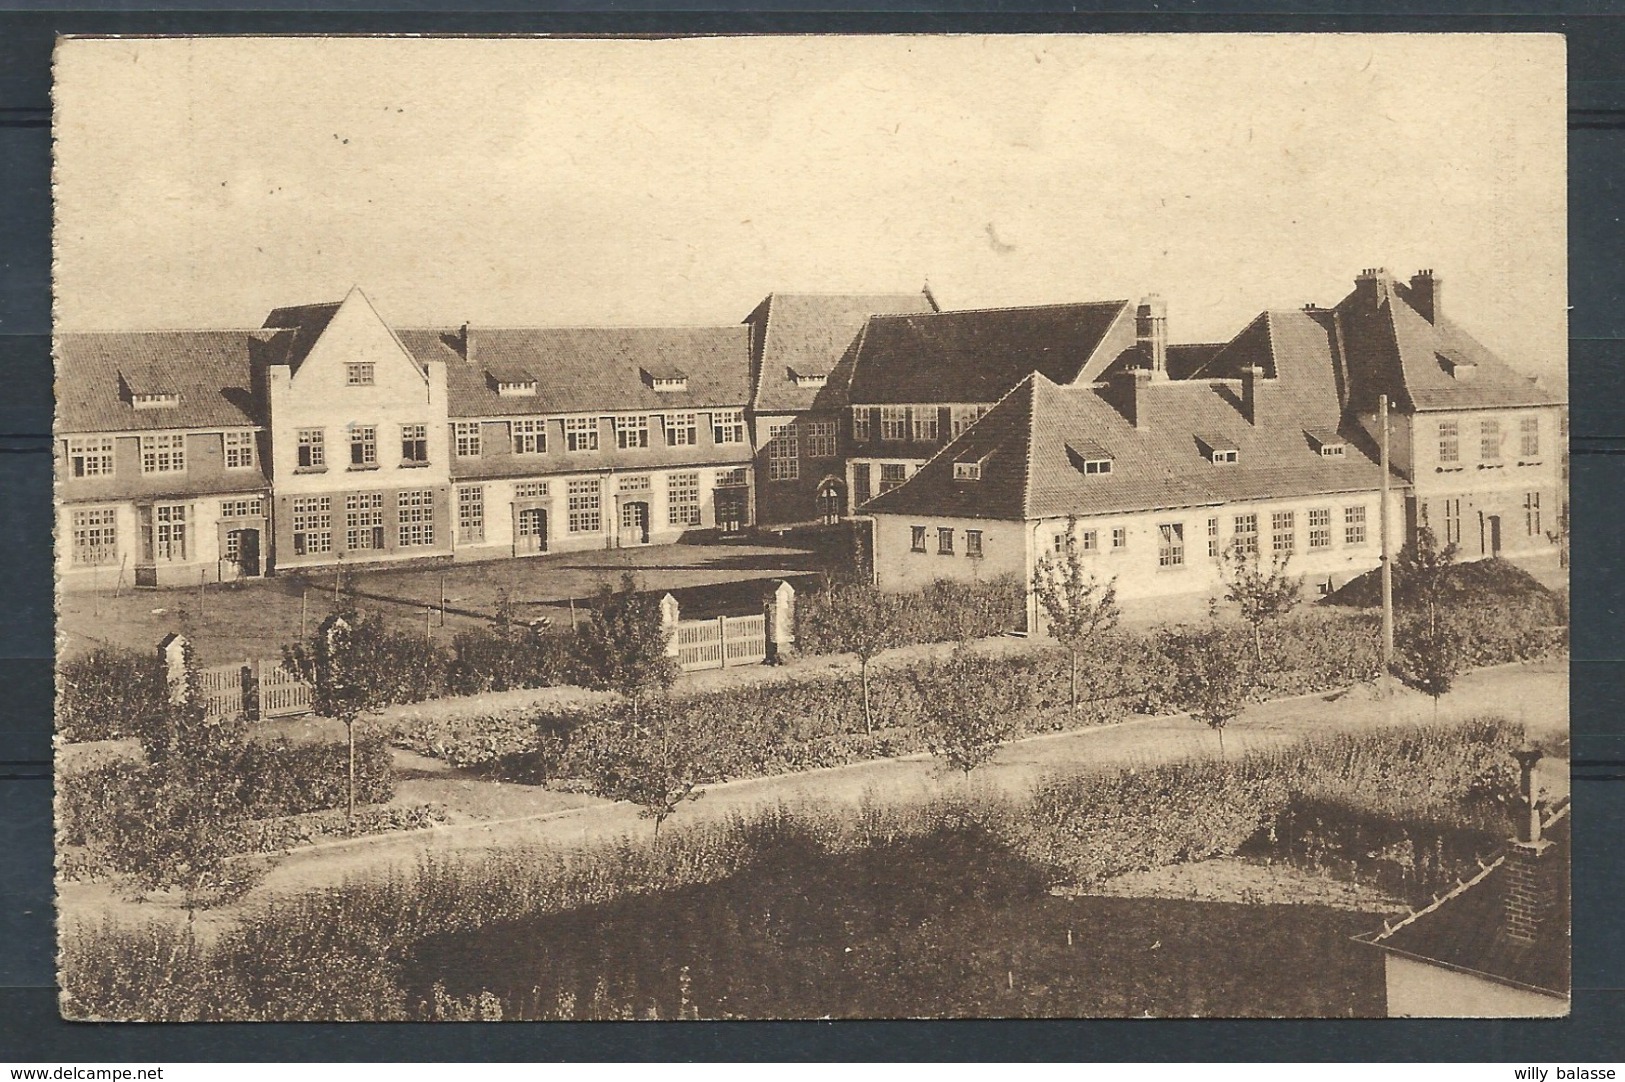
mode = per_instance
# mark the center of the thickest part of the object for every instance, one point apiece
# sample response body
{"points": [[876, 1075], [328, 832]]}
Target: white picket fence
{"points": [[721, 643], [227, 690]]}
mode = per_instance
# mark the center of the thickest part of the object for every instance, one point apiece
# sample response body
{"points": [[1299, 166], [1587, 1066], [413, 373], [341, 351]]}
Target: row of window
{"points": [[1490, 438], [1244, 535], [945, 541], [363, 521], [363, 439], [1450, 511], [918, 423], [784, 447], [165, 452], [529, 437]]}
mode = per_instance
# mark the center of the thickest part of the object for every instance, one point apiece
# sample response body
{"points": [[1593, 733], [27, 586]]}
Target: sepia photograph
{"points": [[811, 527]]}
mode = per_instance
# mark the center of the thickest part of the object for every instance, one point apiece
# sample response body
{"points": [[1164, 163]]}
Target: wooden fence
{"points": [[264, 688], [721, 643]]}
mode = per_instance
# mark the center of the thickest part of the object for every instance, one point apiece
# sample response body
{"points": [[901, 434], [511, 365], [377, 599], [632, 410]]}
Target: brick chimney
{"points": [[1151, 333], [468, 343], [1371, 286], [1130, 388], [1251, 407], [1425, 299], [1530, 897]]}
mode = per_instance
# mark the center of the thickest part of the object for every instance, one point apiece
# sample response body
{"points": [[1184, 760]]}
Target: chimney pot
{"points": [[468, 343], [1425, 288], [1249, 393], [1151, 333], [1131, 387]]}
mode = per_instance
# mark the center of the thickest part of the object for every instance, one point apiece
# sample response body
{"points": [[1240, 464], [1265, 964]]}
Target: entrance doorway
{"points": [[1492, 535], [529, 531], [830, 499], [731, 506], [243, 550], [634, 523]]}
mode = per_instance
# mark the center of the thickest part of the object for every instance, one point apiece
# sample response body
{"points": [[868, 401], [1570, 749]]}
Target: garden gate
{"points": [[721, 643], [228, 690]]}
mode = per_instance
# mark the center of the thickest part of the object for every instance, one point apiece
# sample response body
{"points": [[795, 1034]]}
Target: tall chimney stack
{"points": [[1250, 392], [1425, 286], [1151, 333], [1372, 286], [468, 343], [1130, 387]]}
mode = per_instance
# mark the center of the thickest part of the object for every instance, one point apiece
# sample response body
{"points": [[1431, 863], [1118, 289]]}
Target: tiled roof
{"points": [[1392, 349], [1464, 929], [978, 356], [1032, 442], [586, 369], [809, 334], [304, 324], [210, 370]]}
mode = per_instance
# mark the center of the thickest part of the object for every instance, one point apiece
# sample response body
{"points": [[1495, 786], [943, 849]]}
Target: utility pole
{"points": [[1387, 561]]}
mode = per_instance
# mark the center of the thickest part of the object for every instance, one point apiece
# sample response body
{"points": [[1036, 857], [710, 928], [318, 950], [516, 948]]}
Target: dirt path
{"points": [[1535, 695]]}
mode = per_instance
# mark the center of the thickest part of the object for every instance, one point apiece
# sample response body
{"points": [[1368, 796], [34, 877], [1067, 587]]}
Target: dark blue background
{"points": [[29, 1027]]}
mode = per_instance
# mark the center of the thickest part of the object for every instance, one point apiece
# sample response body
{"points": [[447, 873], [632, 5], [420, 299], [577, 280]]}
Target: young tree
{"points": [[1430, 653], [1078, 607], [1210, 682], [335, 663], [969, 710], [652, 759], [1422, 571], [861, 621], [1262, 592], [624, 643]]}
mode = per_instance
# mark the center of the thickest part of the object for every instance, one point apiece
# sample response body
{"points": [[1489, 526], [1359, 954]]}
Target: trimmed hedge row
{"points": [[273, 779], [106, 693], [944, 611]]}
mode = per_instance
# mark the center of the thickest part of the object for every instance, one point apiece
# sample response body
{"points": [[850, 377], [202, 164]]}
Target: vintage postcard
{"points": [[811, 527]]}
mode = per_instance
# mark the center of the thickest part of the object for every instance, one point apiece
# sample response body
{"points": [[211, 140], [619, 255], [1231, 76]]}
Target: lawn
{"points": [[255, 620]]}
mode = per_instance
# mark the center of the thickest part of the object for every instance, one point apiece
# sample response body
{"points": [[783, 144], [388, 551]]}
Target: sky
{"points": [[203, 182]]}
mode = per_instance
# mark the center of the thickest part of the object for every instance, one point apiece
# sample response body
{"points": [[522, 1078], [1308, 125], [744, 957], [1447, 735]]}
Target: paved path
{"points": [[1535, 695]]}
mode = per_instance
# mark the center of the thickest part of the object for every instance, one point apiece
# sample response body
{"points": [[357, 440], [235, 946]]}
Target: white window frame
{"points": [[468, 440], [892, 475], [728, 426], [163, 452], [1320, 528], [414, 509], [312, 521], [581, 434], [239, 450], [683, 499], [312, 449], [415, 444], [360, 374], [585, 506], [1354, 525], [923, 424], [90, 456], [893, 423], [470, 514], [682, 429], [783, 452], [364, 522], [94, 532], [528, 437], [860, 424], [363, 447], [632, 432], [821, 439]]}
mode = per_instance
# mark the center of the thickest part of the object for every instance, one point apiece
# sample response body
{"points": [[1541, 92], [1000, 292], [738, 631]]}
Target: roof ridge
{"points": [[1003, 308], [487, 328], [169, 330], [1439, 899]]}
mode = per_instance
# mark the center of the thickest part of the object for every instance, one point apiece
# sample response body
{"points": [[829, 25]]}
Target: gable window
{"points": [[1246, 534], [1171, 544], [682, 429], [1529, 437], [683, 499], [467, 435], [415, 517], [973, 544], [1283, 532], [581, 433], [1531, 513], [820, 439], [1354, 525], [312, 449], [1119, 538], [945, 541], [312, 525], [415, 445], [728, 426], [783, 453], [962, 417], [363, 448], [1449, 441], [632, 432], [860, 424], [239, 450], [893, 422], [1213, 539], [90, 456], [163, 454], [364, 520], [1320, 528], [585, 505], [470, 514], [968, 471], [359, 374], [95, 537], [925, 423], [917, 539], [892, 474], [1489, 439], [529, 437]]}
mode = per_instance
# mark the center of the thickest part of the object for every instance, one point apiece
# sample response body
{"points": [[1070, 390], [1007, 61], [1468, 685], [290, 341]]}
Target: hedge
{"points": [[944, 611], [105, 694]]}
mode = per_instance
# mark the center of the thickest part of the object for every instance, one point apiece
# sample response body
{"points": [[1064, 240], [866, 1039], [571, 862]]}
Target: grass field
{"points": [[256, 619]]}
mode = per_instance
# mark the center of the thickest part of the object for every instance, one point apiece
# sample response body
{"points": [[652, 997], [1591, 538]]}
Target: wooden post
{"points": [[202, 579], [1387, 561], [304, 605], [442, 599], [722, 638]]}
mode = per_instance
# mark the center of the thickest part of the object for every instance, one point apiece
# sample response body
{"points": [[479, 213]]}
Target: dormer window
{"points": [[1327, 443], [1459, 367], [968, 471], [665, 379], [512, 382], [808, 379], [1090, 458], [1097, 465], [1218, 449], [155, 401]]}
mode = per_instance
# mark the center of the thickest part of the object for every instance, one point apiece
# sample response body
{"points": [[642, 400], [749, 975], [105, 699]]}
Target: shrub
{"points": [[279, 777], [945, 611], [508, 657], [108, 693]]}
